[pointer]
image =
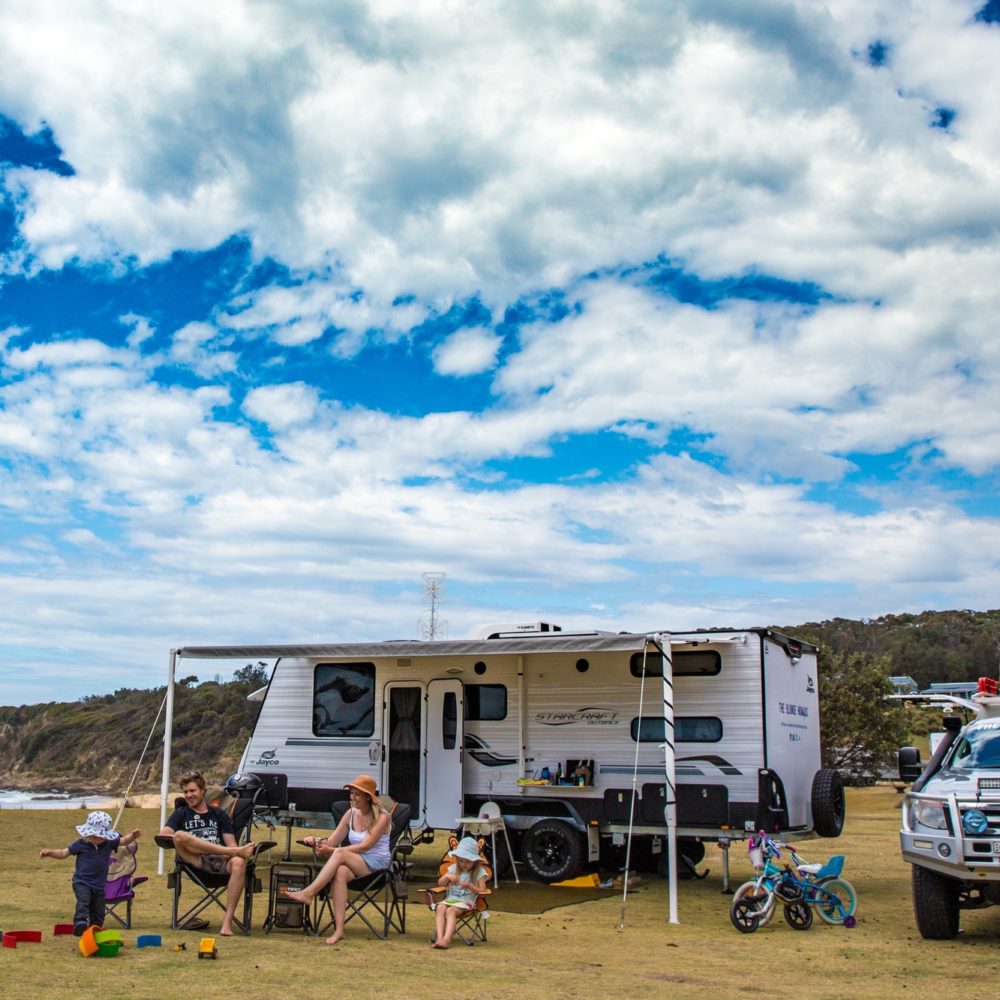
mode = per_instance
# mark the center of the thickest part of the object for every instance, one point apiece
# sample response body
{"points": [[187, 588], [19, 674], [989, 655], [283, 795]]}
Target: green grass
{"points": [[576, 950]]}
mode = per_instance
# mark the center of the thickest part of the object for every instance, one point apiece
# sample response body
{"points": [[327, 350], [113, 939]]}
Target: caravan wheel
{"points": [[553, 850], [828, 802]]}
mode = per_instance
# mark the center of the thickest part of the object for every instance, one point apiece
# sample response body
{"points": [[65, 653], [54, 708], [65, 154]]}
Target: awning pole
{"points": [[168, 732], [662, 639]]}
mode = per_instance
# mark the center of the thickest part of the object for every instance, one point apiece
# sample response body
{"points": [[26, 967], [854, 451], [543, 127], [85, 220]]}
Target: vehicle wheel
{"points": [[828, 802], [829, 912], [742, 915], [691, 851], [750, 889], [553, 850], [799, 915], [935, 904]]}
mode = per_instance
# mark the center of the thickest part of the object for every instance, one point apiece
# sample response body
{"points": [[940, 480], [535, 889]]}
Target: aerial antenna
{"points": [[433, 627]]}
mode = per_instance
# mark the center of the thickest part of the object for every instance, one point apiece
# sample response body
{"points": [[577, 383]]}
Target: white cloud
{"points": [[193, 346], [467, 352], [281, 406]]}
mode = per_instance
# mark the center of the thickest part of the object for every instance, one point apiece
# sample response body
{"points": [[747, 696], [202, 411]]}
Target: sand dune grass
{"points": [[576, 950]]}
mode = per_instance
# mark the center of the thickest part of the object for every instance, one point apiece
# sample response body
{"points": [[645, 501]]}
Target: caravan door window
{"points": [[687, 728], [344, 699], [687, 663]]}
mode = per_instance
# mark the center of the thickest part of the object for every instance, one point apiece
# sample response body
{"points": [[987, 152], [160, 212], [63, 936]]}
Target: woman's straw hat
{"points": [[364, 784]]}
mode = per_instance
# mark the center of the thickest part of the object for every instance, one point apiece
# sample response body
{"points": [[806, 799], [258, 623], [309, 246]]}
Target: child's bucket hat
{"points": [[98, 825], [467, 849]]}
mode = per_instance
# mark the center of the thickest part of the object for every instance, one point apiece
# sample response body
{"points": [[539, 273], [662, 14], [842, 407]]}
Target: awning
{"points": [[558, 642]]}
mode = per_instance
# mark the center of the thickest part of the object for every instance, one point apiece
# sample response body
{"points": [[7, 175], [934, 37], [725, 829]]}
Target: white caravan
{"points": [[565, 731]]}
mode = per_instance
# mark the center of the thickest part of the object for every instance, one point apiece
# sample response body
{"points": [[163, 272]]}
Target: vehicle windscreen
{"points": [[977, 748]]}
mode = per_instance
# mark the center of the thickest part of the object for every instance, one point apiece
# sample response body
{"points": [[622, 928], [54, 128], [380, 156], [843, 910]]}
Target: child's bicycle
{"points": [[800, 890]]}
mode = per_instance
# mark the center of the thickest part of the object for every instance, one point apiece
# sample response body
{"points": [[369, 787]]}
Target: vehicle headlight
{"points": [[974, 822], [926, 812]]}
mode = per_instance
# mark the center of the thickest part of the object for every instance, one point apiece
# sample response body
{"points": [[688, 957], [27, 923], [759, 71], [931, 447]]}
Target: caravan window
{"points": [[688, 729], [344, 699], [687, 663], [485, 702]]}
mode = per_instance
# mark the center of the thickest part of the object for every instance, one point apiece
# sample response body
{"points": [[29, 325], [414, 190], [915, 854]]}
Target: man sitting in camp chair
{"points": [[203, 838]]}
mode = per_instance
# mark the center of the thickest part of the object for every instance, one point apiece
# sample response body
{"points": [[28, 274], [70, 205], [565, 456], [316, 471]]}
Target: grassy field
{"points": [[568, 950]]}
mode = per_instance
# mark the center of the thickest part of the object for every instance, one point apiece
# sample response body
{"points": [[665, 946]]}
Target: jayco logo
{"points": [[269, 758], [581, 716]]}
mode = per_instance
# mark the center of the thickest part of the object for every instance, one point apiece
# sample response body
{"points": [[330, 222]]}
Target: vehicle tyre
{"points": [[741, 913], [691, 851], [935, 904], [750, 889], [828, 911], [829, 805], [553, 850], [799, 915]]}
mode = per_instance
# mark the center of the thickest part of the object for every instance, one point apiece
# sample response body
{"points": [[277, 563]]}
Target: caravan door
{"points": [[403, 740], [445, 736]]}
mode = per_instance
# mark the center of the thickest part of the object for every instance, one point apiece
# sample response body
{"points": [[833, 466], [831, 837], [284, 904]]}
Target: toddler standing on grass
{"points": [[93, 850]]}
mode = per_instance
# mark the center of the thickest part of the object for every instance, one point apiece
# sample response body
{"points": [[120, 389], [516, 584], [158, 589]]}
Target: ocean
{"points": [[48, 800]]}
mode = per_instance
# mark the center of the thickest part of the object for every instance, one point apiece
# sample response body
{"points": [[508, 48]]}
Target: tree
{"points": [[859, 730], [253, 675]]}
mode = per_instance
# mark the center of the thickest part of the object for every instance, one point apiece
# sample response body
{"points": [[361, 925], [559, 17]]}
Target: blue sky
{"points": [[622, 316]]}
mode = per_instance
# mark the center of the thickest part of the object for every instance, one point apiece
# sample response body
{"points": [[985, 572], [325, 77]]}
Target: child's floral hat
{"points": [[98, 825]]}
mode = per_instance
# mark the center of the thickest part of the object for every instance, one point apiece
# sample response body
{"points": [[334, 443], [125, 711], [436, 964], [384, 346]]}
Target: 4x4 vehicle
{"points": [[951, 819]]}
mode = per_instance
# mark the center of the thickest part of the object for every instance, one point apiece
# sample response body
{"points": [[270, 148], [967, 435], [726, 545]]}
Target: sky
{"points": [[621, 315]]}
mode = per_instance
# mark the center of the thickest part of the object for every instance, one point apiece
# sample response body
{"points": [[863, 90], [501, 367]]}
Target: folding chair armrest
{"points": [[167, 843], [139, 880]]}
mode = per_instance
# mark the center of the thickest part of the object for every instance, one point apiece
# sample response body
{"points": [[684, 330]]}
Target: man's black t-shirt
{"points": [[210, 826]]}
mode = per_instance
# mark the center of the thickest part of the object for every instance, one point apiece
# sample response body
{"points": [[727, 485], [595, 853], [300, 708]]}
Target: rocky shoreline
{"points": [[91, 794]]}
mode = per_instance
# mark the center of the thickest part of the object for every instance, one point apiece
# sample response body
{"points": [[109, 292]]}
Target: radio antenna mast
{"points": [[433, 627]]}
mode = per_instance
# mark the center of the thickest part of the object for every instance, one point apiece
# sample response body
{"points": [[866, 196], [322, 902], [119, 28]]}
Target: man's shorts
{"points": [[214, 863]]}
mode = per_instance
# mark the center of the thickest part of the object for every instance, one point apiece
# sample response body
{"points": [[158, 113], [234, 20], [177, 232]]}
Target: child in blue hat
{"points": [[93, 850], [465, 880]]}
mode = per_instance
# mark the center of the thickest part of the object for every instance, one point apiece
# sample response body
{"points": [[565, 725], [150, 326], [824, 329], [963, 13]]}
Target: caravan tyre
{"points": [[828, 802], [553, 850]]}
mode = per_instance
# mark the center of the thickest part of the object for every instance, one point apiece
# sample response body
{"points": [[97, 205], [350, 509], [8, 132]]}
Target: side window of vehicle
{"points": [[686, 663], [688, 729], [485, 702], [344, 699]]}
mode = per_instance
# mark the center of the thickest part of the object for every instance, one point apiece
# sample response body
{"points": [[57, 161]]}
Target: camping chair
{"points": [[382, 894], [119, 890], [212, 887], [471, 925]]}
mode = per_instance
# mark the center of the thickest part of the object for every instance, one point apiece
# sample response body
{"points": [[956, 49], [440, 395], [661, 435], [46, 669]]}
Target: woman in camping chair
{"points": [[465, 881], [358, 847]]}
